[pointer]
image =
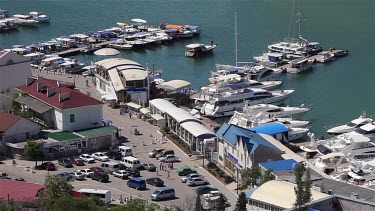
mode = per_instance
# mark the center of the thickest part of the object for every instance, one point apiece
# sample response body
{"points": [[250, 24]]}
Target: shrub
{"points": [[166, 129], [211, 165], [228, 179], [220, 172]]}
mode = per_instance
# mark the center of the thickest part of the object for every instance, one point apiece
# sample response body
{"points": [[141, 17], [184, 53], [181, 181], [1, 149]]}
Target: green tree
{"points": [[55, 189], [267, 176], [299, 170], [34, 151], [250, 176], [307, 187], [71, 203], [5, 207], [221, 203], [132, 205], [241, 202], [198, 203]]}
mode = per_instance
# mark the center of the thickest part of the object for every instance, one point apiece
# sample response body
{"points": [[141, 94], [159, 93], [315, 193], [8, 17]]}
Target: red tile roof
{"points": [[75, 98], [18, 190], [7, 120]]}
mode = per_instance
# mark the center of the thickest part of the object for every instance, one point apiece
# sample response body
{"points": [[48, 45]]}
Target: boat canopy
{"points": [[21, 16], [195, 45], [314, 43], [192, 27], [234, 69], [38, 45], [170, 30], [138, 20], [121, 24], [173, 26]]}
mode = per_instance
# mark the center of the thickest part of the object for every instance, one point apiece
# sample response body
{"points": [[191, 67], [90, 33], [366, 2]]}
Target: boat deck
{"points": [[74, 51]]}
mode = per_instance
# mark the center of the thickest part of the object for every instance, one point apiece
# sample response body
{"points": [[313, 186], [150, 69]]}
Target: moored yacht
{"points": [[25, 20], [350, 126], [263, 73], [299, 65], [198, 49], [324, 57], [225, 103], [40, 17], [274, 111]]}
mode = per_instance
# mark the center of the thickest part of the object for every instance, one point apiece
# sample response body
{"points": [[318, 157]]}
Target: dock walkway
{"points": [[74, 51]]}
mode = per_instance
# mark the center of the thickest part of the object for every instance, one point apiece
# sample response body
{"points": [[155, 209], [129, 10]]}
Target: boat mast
{"points": [[299, 18], [291, 19], [235, 36]]}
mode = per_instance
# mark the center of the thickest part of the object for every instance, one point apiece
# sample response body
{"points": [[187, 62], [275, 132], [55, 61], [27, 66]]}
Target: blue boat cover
{"points": [[140, 33], [234, 69], [193, 27], [279, 165], [270, 128], [170, 30], [59, 62]]}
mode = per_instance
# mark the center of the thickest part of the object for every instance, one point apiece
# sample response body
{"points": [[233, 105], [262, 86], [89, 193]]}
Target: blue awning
{"points": [[270, 128], [279, 165], [249, 192], [107, 121]]}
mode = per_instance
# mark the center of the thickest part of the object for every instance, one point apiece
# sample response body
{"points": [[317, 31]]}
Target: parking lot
{"points": [[141, 145]]}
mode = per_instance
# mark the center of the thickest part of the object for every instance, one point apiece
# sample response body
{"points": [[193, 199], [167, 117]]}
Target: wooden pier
{"points": [[75, 51]]}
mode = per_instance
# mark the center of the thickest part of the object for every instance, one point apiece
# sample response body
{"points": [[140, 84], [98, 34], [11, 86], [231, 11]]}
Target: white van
{"points": [[110, 166], [104, 195], [131, 162], [125, 151]]}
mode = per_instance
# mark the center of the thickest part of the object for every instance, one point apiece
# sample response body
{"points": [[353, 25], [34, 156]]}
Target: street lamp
{"points": [[204, 154]]}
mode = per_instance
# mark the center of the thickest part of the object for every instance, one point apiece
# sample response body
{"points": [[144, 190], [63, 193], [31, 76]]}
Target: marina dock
{"points": [[75, 51]]}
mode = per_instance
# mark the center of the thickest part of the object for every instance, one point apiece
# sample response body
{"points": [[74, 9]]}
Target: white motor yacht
{"points": [[270, 59], [350, 126], [197, 49], [324, 57], [225, 103], [40, 17], [274, 111], [299, 65], [332, 162], [209, 90], [25, 20], [362, 175], [246, 121], [263, 73]]}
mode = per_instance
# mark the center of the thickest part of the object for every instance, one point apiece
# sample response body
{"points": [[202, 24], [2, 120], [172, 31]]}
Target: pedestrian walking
{"points": [[130, 197], [160, 165], [169, 176], [130, 114], [157, 171], [120, 199], [165, 167]]}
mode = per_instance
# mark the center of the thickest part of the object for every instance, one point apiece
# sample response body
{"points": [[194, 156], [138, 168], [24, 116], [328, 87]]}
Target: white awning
{"points": [[157, 117], [133, 105], [116, 80], [174, 84], [145, 110], [198, 130], [107, 52]]}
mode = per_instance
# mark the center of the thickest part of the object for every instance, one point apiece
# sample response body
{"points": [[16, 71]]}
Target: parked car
{"points": [[87, 158], [164, 153], [100, 156], [77, 175], [133, 172], [196, 181], [77, 161], [20, 179], [113, 154], [123, 174], [163, 193], [100, 176], [137, 183], [86, 172], [65, 162], [185, 171], [96, 169], [155, 181], [65, 175], [154, 152], [148, 166], [205, 189], [4, 175], [169, 159], [49, 166], [190, 176]]}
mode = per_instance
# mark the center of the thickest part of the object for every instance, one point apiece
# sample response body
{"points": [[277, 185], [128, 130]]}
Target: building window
{"points": [[83, 144], [71, 118]]}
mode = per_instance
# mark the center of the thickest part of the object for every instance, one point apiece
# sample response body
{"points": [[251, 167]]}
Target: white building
{"points": [[116, 77], [14, 69], [14, 129], [59, 106]]}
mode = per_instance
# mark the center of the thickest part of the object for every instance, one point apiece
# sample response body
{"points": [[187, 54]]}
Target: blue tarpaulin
{"points": [[249, 192], [279, 165], [234, 69], [270, 128], [107, 121]]}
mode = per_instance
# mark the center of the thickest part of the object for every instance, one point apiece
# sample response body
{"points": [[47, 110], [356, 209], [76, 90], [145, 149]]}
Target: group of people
{"points": [[122, 200], [164, 166]]}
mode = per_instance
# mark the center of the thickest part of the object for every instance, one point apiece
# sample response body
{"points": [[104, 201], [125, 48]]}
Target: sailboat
{"points": [[300, 46]]}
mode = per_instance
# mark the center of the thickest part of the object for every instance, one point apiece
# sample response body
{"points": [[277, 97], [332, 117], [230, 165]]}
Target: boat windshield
{"points": [[362, 131], [351, 124]]}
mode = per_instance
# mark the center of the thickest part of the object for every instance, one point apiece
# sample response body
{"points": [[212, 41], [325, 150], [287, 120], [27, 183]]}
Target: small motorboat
{"points": [[25, 20], [198, 49], [40, 17], [324, 57]]}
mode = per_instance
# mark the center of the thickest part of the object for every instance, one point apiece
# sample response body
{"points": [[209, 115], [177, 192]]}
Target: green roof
{"points": [[62, 136], [96, 131]]}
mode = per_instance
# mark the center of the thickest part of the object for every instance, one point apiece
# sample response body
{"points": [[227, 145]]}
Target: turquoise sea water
{"points": [[337, 92]]}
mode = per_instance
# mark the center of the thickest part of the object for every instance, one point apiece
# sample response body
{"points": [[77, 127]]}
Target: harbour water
{"points": [[337, 92]]}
